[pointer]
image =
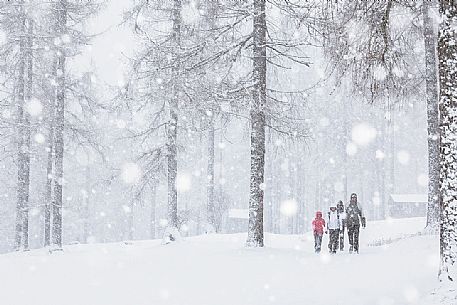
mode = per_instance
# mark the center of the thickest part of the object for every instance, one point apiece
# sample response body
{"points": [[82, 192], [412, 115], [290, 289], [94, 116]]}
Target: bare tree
{"points": [[60, 8], [447, 55], [66, 39], [210, 208], [431, 82], [172, 232], [257, 118], [22, 96], [49, 171]]}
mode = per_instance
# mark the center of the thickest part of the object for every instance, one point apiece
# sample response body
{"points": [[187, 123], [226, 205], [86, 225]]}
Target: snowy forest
{"points": [[231, 152]]}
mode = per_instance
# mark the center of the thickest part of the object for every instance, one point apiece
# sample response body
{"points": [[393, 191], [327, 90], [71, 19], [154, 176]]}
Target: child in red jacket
{"points": [[318, 230]]}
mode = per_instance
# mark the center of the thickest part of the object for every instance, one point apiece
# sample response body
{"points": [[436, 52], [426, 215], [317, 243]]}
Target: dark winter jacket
{"points": [[354, 215], [341, 213], [340, 207]]}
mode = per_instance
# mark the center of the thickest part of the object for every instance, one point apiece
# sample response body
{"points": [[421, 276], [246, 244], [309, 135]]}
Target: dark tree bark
{"points": [[152, 222], [210, 209], [270, 191], [87, 230], [433, 116], [61, 23], [23, 132], [257, 117], [27, 132], [48, 205], [172, 232], [447, 55]]}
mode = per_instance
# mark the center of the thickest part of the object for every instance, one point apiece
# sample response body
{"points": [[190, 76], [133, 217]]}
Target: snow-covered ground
{"points": [[218, 270]]}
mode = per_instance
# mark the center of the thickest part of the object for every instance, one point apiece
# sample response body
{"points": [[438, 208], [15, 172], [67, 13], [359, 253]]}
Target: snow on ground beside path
{"points": [[218, 270]]}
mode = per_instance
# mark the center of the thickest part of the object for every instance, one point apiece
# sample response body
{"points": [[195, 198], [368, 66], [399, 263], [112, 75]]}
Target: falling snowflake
{"points": [[398, 72], [190, 13], [163, 222], [121, 124], [130, 173], [380, 155], [422, 180], [57, 41], [39, 138], [363, 134], [379, 73], [403, 157], [126, 209], [34, 107], [66, 38], [289, 207]]}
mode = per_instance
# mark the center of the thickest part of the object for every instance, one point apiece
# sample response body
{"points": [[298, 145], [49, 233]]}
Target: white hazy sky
{"points": [[107, 50]]}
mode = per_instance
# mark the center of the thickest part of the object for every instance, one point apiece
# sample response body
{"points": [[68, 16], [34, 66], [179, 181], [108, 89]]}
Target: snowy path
{"points": [[218, 270]]}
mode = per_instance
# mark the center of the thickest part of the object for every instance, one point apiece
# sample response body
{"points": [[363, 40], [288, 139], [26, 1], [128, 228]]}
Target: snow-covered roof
{"points": [[239, 213], [409, 198]]}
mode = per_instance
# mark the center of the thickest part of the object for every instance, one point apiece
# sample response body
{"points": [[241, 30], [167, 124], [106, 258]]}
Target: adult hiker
{"points": [[342, 217], [354, 217]]}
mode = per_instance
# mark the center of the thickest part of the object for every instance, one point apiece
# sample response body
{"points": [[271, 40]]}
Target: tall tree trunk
{"points": [[389, 150], [391, 143], [269, 192], [213, 224], [210, 208], [23, 158], [345, 142], [152, 221], [48, 196], [27, 132], [131, 221], [385, 171], [380, 174], [300, 177], [61, 9], [172, 232], [87, 229], [447, 54], [433, 117], [48, 205], [257, 116]]}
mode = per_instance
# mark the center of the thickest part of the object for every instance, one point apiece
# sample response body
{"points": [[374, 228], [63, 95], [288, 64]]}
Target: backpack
{"points": [[337, 219]]}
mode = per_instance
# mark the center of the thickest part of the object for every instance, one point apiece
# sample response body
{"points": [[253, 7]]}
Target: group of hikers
{"points": [[339, 218]]}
